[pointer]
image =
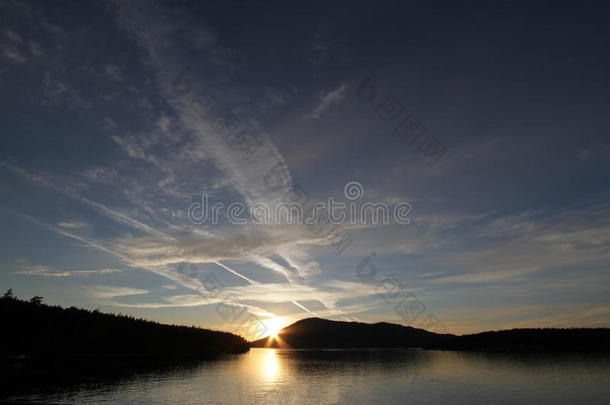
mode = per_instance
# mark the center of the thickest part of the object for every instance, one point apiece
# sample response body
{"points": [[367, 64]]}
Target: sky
{"points": [[481, 127]]}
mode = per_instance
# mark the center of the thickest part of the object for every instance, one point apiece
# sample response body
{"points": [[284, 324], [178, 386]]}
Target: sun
{"points": [[274, 326]]}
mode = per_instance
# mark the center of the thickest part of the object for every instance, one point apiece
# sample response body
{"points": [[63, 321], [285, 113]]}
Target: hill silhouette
{"points": [[320, 333], [543, 339], [324, 333], [43, 335]]}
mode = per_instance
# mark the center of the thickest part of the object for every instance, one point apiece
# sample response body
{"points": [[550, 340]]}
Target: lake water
{"points": [[283, 376]]}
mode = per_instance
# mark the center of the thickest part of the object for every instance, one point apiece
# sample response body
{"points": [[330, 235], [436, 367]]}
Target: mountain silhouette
{"points": [[317, 333], [324, 333]]}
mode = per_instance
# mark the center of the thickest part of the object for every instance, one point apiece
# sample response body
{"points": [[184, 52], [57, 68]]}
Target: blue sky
{"points": [[112, 127]]}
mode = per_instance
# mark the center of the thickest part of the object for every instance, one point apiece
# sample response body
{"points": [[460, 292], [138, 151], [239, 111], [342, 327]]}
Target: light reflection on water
{"points": [[274, 376], [270, 366]]}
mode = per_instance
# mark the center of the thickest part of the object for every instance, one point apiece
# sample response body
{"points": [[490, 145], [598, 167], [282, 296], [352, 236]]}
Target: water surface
{"points": [[284, 376]]}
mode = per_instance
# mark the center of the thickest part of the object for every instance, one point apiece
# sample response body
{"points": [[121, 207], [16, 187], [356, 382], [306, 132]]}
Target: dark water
{"points": [[271, 376]]}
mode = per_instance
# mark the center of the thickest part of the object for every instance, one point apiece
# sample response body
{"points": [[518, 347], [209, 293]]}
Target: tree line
{"points": [[32, 329]]}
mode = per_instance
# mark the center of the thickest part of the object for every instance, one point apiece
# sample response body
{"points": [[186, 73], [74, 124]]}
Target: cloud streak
{"points": [[328, 100]]}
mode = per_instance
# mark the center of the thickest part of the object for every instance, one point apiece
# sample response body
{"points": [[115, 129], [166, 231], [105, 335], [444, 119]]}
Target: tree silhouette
{"points": [[37, 300], [71, 333]]}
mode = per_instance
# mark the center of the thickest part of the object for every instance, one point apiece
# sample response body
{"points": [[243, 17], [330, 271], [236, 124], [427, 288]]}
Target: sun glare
{"points": [[274, 326]]}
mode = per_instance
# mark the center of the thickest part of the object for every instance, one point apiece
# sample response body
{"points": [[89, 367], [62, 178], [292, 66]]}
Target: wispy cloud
{"points": [[328, 100], [109, 292], [71, 224], [14, 55], [37, 270], [42, 181], [248, 173]]}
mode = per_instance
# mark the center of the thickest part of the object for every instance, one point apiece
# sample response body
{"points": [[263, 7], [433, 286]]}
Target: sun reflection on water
{"points": [[269, 364]]}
